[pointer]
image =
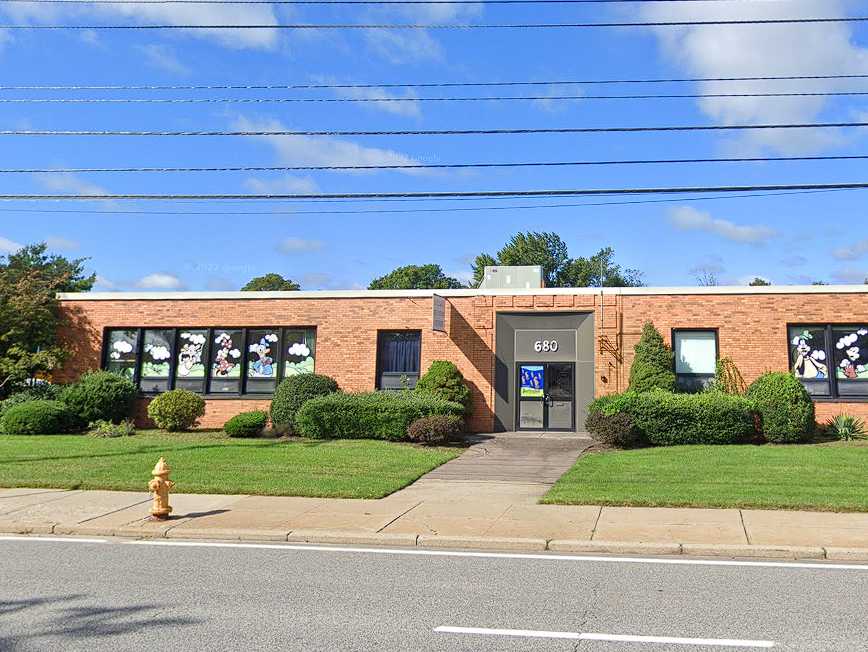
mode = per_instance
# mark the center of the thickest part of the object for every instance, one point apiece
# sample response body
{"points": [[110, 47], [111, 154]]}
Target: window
{"points": [[230, 361], [156, 359], [831, 360], [398, 359], [121, 352], [695, 358]]}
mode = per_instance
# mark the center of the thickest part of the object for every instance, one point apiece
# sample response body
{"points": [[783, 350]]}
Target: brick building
{"points": [[533, 358]]}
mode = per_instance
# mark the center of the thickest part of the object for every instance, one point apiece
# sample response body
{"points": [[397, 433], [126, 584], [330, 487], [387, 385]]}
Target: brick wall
{"points": [[752, 330]]}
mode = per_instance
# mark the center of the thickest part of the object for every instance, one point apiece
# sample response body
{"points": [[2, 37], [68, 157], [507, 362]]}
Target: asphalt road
{"points": [[111, 595]]}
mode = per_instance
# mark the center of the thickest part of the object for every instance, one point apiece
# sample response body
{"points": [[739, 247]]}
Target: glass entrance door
{"points": [[546, 396]]}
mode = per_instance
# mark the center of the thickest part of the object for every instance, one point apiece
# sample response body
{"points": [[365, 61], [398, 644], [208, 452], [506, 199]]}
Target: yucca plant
{"points": [[846, 427]]}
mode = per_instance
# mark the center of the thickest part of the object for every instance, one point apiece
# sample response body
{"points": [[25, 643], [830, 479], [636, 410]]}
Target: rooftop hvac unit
{"points": [[505, 277]]}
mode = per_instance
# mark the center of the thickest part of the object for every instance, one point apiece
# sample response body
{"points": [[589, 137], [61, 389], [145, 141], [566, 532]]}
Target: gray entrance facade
{"points": [[544, 370]]}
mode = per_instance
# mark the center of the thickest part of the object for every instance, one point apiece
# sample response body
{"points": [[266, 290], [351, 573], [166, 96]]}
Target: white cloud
{"points": [[298, 245], [9, 246], [69, 183], [323, 150], [687, 218], [551, 105], [284, 184], [164, 58], [104, 283], [159, 281], [180, 13], [399, 47], [852, 252], [408, 105], [64, 244], [763, 50]]}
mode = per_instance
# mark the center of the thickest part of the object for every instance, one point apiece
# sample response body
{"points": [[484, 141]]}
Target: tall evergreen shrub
{"points": [[654, 364]]}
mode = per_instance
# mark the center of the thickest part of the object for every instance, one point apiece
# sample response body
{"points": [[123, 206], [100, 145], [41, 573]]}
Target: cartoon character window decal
{"points": [[809, 355], [158, 351], [190, 364], [851, 353], [226, 356], [122, 352], [261, 355]]}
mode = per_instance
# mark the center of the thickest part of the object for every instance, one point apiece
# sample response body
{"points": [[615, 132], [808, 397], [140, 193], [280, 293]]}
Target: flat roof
{"points": [[472, 292]]}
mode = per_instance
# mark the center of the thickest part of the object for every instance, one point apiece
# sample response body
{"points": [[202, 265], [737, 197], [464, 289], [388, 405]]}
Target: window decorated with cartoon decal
{"points": [[263, 349], [190, 369], [156, 359], [121, 352], [299, 352], [226, 361], [809, 358], [851, 359]]}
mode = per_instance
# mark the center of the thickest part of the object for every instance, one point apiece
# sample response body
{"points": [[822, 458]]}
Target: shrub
{"points": [[100, 396], [444, 380], [102, 428], [42, 391], [293, 392], [653, 366], [435, 430], [784, 405], [615, 430], [727, 378], [846, 427], [611, 404], [246, 424], [176, 410], [40, 417], [668, 419], [375, 415]]}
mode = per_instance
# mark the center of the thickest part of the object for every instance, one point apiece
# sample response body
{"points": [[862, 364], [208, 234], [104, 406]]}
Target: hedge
{"points": [[374, 415], [785, 407], [40, 418], [435, 430], [443, 379], [293, 392], [100, 396], [616, 430], [246, 424]]}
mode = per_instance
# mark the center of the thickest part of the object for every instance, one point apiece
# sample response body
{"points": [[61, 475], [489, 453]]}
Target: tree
{"points": [[549, 251], [30, 312], [270, 283], [415, 277], [706, 276], [654, 363], [758, 281]]}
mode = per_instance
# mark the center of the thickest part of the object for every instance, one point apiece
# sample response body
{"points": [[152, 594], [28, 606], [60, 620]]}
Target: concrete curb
{"points": [[434, 541]]}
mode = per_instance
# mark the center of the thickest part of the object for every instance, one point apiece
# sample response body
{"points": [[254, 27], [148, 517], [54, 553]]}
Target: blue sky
{"points": [[788, 239]]}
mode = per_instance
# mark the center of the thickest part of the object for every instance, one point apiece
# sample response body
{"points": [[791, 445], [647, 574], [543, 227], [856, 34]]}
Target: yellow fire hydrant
{"points": [[160, 487]]}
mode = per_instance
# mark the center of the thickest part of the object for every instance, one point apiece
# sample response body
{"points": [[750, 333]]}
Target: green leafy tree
{"points": [[29, 312], [415, 277], [758, 281], [653, 365], [270, 283], [559, 270]]}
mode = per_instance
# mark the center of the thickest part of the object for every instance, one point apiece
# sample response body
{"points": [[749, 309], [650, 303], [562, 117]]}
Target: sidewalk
{"points": [[435, 513]]}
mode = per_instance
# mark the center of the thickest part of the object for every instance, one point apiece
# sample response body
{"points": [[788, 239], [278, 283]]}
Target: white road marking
{"points": [[504, 555], [52, 539], [592, 636]]}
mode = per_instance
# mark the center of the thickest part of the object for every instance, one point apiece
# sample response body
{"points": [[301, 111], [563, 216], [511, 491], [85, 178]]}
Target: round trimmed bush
{"points": [[444, 380], [176, 410], [40, 417], [246, 424], [42, 391], [435, 430], [615, 430], [294, 392], [785, 407], [100, 396]]}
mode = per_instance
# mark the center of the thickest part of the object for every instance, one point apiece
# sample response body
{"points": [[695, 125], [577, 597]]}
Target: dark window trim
{"points": [[715, 330], [380, 333], [206, 355], [834, 396]]}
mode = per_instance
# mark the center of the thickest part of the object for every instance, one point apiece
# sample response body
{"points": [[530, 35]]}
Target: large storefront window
{"points": [[209, 360], [695, 358], [831, 360], [398, 359]]}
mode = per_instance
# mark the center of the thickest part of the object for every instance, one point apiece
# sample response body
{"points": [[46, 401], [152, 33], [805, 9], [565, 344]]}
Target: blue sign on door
{"points": [[532, 381]]}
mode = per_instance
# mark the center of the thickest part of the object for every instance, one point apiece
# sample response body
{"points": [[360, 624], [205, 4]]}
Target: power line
{"points": [[346, 2], [431, 132], [430, 166], [341, 100], [562, 82], [468, 26], [435, 195]]}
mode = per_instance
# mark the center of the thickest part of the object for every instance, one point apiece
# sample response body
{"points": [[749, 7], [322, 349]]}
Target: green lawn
{"points": [[213, 463], [826, 477]]}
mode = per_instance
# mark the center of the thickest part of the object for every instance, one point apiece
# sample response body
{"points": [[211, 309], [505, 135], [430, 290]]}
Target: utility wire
{"points": [[435, 194], [432, 166], [562, 82], [418, 210], [432, 132], [340, 100], [468, 26], [350, 2]]}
